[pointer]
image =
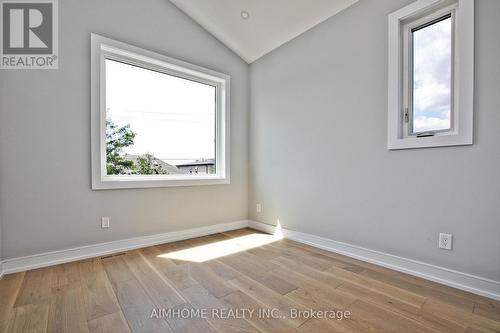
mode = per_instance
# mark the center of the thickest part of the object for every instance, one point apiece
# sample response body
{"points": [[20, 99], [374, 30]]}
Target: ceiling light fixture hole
{"points": [[245, 15]]}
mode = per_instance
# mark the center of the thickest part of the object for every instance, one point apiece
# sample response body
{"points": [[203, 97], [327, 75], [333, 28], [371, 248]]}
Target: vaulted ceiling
{"points": [[252, 28]]}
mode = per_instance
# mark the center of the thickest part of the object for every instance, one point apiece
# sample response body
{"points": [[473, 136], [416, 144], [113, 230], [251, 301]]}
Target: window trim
{"points": [[461, 132], [104, 48]]}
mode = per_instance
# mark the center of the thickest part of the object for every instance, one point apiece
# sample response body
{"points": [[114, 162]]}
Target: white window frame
{"points": [[400, 24], [103, 48]]}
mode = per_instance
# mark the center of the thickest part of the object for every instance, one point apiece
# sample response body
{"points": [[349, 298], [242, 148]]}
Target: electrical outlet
{"points": [[445, 241], [105, 222], [258, 208]]}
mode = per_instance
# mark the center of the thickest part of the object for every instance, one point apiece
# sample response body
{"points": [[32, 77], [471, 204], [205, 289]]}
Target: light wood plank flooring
{"points": [[118, 293]]}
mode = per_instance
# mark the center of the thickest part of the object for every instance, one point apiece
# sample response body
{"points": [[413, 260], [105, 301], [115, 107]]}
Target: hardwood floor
{"points": [[126, 292]]}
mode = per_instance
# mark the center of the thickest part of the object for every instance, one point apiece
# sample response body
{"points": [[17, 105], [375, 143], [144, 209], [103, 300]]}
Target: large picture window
{"points": [[158, 121]]}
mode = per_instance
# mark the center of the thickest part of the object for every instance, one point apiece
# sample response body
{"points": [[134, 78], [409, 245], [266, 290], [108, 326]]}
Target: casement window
{"points": [[155, 119], [431, 74]]}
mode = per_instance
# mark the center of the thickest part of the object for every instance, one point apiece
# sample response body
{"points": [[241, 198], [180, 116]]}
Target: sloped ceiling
{"points": [[270, 24]]}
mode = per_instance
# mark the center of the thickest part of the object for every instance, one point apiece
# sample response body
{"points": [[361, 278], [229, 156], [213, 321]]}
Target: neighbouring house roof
{"points": [[197, 163], [165, 166]]}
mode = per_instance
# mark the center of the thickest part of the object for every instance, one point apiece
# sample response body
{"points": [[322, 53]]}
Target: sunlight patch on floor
{"points": [[222, 248]]}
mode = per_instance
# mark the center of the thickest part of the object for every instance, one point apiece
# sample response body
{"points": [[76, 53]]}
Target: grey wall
{"points": [[318, 158], [45, 198]]}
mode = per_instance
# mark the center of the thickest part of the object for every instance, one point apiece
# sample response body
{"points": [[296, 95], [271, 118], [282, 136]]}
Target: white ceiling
{"points": [[271, 23]]}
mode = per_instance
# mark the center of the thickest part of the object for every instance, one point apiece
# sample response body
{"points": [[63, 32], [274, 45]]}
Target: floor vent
{"points": [[114, 255]]}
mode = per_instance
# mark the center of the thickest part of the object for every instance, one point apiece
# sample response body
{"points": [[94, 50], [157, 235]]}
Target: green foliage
{"points": [[118, 138], [147, 165]]}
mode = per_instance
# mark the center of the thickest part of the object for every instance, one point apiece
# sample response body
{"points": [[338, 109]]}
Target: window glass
{"points": [[432, 82], [158, 124]]}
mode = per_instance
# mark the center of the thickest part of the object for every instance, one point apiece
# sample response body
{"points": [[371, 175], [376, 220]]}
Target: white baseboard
{"points": [[460, 280], [475, 284], [58, 257]]}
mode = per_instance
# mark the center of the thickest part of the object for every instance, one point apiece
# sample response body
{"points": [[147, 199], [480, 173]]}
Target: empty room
{"points": [[250, 166]]}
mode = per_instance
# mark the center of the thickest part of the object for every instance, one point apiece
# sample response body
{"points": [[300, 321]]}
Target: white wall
{"points": [[318, 157], [45, 198]]}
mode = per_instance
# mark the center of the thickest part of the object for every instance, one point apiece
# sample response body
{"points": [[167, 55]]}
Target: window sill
{"points": [[431, 141], [124, 182]]}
